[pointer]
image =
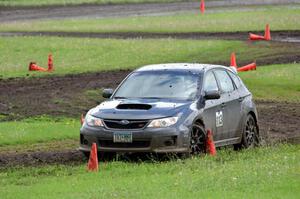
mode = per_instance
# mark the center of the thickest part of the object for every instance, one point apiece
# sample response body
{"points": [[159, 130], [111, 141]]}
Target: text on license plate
{"points": [[123, 137]]}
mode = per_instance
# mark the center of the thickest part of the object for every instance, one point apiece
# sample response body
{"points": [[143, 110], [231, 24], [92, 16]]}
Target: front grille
{"points": [[134, 144], [125, 124]]}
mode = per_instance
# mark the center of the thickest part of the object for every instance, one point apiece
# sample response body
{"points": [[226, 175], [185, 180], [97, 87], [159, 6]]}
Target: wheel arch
{"points": [[199, 121]]}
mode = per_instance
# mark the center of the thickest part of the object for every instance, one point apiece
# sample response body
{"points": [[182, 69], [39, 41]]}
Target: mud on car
{"points": [[167, 108]]}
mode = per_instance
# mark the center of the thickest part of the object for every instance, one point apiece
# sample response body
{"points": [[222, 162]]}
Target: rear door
{"points": [[212, 109], [229, 103], [241, 94]]}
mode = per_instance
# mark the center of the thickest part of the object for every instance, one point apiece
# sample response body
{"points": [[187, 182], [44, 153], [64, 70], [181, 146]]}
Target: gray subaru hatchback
{"points": [[167, 108]]}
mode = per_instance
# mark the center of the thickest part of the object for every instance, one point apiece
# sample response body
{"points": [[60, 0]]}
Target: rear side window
{"points": [[235, 79], [224, 80], [210, 82]]}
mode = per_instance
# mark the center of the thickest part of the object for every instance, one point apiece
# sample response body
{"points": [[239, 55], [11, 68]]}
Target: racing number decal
{"points": [[219, 119]]}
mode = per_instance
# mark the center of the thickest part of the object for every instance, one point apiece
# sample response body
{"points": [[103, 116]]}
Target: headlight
{"points": [[93, 121], [164, 122]]}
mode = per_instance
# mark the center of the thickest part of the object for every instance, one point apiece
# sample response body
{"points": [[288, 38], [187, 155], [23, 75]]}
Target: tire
{"points": [[250, 135], [197, 139]]}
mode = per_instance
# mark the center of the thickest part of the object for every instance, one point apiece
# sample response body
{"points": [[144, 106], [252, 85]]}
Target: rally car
{"points": [[167, 108]]}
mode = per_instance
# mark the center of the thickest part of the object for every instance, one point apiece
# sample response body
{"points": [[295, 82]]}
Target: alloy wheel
{"points": [[197, 139]]}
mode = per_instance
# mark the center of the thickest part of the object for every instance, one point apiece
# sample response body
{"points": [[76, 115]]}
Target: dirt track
{"points": [[100, 11], [53, 95], [284, 36]]}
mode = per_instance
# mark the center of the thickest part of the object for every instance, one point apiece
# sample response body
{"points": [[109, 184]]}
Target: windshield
{"points": [[162, 84]]}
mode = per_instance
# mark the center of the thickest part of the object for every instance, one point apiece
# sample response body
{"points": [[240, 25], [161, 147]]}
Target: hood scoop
{"points": [[134, 106]]}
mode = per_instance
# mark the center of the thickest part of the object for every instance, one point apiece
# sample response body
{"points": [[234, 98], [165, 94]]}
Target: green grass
{"points": [[271, 172], [37, 130], [74, 2], [77, 55], [279, 18], [275, 83]]}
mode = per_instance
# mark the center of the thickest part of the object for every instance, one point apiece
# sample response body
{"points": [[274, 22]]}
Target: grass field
{"points": [[279, 18], [77, 55], [38, 130], [275, 83], [72, 2], [267, 172]]}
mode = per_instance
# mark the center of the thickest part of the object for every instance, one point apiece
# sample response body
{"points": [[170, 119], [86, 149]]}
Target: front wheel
{"points": [[197, 140], [250, 134]]}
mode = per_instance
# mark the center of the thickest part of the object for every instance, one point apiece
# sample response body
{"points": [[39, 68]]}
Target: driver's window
{"points": [[210, 83]]}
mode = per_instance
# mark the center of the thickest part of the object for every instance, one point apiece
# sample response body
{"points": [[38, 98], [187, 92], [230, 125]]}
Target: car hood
{"points": [[139, 108]]}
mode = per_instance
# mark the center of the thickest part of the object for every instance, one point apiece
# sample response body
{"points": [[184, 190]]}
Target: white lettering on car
{"points": [[219, 119]]}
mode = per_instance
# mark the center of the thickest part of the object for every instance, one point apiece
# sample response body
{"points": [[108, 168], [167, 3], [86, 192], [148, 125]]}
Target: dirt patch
{"points": [[38, 154], [279, 121], [284, 36], [122, 10], [64, 95], [41, 158]]}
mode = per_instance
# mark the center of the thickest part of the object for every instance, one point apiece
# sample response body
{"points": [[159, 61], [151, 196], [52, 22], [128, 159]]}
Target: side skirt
{"points": [[229, 141]]}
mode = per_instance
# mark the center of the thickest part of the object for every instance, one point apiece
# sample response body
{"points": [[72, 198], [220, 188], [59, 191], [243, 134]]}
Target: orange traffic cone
{"points": [[267, 33], [266, 37], [34, 67], [81, 119], [50, 63], [93, 161], [202, 6], [251, 66], [256, 37], [210, 145], [233, 60]]}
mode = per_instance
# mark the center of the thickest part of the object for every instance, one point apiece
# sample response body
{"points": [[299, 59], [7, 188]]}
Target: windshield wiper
{"points": [[120, 97]]}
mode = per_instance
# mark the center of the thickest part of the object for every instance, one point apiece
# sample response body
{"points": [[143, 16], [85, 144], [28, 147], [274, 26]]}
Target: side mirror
{"points": [[210, 95], [107, 92]]}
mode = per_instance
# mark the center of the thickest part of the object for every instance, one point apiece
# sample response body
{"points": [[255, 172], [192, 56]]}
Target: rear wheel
{"points": [[197, 141], [250, 134]]}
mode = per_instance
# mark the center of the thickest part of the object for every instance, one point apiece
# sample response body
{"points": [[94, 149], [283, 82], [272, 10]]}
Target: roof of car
{"points": [[179, 66]]}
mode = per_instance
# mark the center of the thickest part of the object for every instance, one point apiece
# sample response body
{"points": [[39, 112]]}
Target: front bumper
{"points": [[160, 140]]}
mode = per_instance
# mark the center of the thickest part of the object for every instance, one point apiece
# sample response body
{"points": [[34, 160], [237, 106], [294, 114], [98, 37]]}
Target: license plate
{"points": [[123, 137]]}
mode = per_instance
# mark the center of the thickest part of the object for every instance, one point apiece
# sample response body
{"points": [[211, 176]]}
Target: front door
{"points": [[213, 115]]}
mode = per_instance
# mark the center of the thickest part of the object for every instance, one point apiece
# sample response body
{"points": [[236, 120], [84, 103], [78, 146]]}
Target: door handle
{"points": [[223, 105], [241, 99]]}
